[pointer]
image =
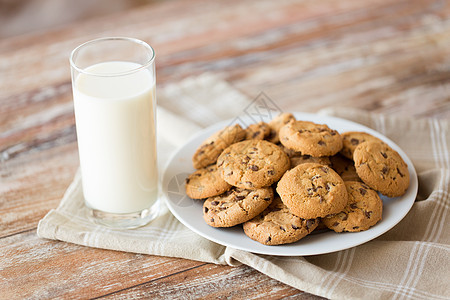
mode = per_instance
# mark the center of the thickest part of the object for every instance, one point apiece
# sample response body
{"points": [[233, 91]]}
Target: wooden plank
{"points": [[213, 282], [37, 268]]}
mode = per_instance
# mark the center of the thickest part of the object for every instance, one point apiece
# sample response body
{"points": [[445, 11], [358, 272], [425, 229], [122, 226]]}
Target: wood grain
{"points": [[389, 56]]}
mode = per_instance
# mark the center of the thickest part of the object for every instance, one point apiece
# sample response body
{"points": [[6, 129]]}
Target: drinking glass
{"points": [[113, 84]]}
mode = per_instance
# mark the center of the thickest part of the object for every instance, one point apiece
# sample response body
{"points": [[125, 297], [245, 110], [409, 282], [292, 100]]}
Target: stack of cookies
{"points": [[281, 179]]}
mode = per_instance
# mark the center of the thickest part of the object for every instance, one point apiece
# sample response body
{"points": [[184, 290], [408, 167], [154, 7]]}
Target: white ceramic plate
{"points": [[189, 212]]}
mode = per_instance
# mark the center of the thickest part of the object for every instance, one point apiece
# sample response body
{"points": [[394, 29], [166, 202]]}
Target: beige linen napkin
{"points": [[409, 261]]}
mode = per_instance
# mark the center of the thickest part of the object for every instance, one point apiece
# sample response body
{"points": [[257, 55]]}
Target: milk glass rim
{"points": [[133, 40]]}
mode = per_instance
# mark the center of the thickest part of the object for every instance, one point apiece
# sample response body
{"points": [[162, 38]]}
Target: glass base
{"points": [[124, 221]]}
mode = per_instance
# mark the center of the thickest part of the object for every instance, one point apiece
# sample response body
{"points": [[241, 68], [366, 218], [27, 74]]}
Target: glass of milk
{"points": [[113, 82]]}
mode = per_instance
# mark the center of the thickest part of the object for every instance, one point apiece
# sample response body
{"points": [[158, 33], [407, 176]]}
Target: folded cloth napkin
{"points": [[410, 261]]}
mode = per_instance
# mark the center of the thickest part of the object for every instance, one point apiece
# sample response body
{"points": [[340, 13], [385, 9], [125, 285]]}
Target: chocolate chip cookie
{"points": [[210, 149], [364, 209], [205, 182], [382, 168], [277, 225], [344, 167], [257, 131], [312, 190], [236, 206], [303, 159], [276, 124], [310, 138], [351, 139], [297, 158], [252, 164]]}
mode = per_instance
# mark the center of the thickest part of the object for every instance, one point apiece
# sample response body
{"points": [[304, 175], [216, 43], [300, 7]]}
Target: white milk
{"points": [[116, 137]]}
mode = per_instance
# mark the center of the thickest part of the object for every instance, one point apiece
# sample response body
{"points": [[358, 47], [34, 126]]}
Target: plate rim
{"points": [[271, 250]]}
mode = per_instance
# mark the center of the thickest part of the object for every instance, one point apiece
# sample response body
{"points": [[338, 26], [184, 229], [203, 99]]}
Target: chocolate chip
{"points": [[212, 220], [353, 206], [335, 224], [310, 191], [321, 143], [300, 131], [270, 172], [310, 223], [268, 239], [355, 227], [345, 217], [210, 169], [325, 169], [214, 203], [363, 191], [333, 132], [354, 141], [267, 199], [256, 197], [321, 199], [245, 160], [229, 174], [306, 156], [249, 183], [255, 134], [228, 193], [400, 173], [206, 210], [368, 213], [201, 152], [239, 198], [282, 228], [385, 170], [187, 180], [315, 177], [253, 167], [384, 154], [294, 227]]}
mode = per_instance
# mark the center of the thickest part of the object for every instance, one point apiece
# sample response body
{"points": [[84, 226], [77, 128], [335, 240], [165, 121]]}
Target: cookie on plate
{"points": [[364, 209], [210, 149], [205, 182], [276, 124], [381, 168], [312, 190], [277, 225], [257, 131], [303, 159], [310, 138], [344, 167], [351, 140], [297, 158], [252, 164], [236, 206]]}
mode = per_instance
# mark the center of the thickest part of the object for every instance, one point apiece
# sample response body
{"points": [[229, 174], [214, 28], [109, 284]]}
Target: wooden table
{"points": [[390, 56]]}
